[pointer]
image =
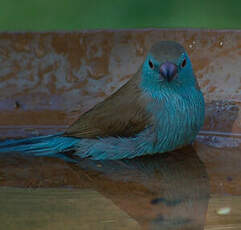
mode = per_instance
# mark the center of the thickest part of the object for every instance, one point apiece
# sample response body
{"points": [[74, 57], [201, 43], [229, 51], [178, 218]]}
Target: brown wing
{"points": [[122, 114]]}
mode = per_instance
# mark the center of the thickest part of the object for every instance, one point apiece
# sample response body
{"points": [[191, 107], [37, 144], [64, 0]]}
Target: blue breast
{"points": [[178, 117]]}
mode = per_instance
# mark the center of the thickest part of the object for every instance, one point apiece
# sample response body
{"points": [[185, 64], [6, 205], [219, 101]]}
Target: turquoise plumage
{"points": [[161, 108]]}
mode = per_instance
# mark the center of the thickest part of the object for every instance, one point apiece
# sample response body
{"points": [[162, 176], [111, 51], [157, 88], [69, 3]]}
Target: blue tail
{"points": [[51, 146]]}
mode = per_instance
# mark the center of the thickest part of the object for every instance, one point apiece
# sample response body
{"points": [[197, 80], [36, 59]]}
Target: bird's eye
{"points": [[184, 62], [151, 64]]}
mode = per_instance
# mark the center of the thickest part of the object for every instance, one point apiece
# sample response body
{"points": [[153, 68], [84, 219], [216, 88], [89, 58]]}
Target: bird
{"points": [[161, 108]]}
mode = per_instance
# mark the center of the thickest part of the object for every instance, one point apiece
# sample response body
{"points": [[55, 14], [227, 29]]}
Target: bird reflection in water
{"points": [[163, 191]]}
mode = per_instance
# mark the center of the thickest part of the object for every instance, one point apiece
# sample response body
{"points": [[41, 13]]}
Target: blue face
{"points": [[167, 73]]}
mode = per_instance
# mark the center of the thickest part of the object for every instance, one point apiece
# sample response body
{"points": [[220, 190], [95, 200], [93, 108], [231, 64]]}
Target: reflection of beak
{"points": [[168, 70]]}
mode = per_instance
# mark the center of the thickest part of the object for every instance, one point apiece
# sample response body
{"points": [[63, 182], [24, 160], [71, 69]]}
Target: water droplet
{"points": [[223, 211], [35, 133]]}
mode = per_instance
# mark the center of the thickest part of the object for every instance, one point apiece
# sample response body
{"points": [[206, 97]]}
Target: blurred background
{"points": [[42, 15]]}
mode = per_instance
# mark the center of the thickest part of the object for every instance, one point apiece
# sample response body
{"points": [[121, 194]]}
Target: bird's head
{"points": [[167, 65]]}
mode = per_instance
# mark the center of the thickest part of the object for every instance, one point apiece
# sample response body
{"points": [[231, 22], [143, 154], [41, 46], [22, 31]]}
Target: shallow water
{"points": [[165, 191]]}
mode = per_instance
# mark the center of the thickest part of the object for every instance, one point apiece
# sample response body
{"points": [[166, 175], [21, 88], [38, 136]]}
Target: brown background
{"points": [[48, 79]]}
